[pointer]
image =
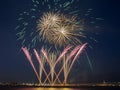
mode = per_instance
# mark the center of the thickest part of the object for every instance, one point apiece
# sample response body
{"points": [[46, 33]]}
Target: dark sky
{"points": [[105, 55]]}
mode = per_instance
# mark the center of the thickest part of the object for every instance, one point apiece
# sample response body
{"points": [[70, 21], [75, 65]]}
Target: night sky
{"points": [[105, 55]]}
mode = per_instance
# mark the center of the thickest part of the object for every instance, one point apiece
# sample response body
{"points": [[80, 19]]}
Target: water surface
{"points": [[60, 88]]}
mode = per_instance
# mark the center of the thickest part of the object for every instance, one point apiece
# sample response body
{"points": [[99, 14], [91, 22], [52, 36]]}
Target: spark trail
{"points": [[74, 53], [30, 60], [53, 26], [56, 22]]}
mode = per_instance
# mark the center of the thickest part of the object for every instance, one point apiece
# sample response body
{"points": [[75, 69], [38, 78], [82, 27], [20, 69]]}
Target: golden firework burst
{"points": [[59, 29]]}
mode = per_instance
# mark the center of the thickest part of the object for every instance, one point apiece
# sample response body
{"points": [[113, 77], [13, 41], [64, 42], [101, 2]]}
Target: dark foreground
{"points": [[60, 88]]}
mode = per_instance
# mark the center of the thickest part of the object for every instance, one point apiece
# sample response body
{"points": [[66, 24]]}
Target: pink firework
{"points": [[68, 57]]}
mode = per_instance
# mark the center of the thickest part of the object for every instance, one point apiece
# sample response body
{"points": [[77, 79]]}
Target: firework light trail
{"points": [[41, 66], [53, 25], [73, 61], [57, 22], [77, 50], [30, 60], [67, 61]]}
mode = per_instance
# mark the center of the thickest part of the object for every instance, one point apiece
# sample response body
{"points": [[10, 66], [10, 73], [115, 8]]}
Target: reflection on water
{"points": [[60, 88], [49, 89], [79, 88]]}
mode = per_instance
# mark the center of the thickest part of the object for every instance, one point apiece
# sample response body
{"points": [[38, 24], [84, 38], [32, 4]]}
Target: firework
{"points": [[52, 60], [59, 24], [53, 25], [59, 29], [31, 62]]}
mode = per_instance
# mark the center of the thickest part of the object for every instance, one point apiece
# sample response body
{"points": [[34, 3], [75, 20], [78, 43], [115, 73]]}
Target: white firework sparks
{"points": [[59, 29]]}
